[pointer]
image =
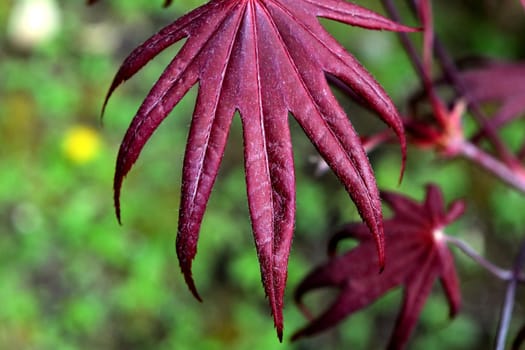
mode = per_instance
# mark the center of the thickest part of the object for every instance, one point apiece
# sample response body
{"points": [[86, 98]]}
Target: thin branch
{"points": [[492, 165], [407, 44], [506, 314], [510, 297], [497, 271], [451, 73]]}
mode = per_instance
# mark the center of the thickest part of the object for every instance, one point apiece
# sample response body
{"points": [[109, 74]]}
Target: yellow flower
{"points": [[81, 144]]}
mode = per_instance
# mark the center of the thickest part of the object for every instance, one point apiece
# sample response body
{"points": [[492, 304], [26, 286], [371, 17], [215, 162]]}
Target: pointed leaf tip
{"points": [[416, 261], [381, 254], [117, 184], [403, 161], [280, 334], [188, 278], [265, 59]]}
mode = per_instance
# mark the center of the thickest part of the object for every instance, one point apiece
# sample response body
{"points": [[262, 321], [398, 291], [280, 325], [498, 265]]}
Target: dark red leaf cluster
{"points": [[495, 84], [264, 59], [417, 255], [501, 83]]}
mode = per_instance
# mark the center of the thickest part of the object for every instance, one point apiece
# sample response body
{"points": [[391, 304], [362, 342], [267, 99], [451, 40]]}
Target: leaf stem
{"points": [[451, 73], [510, 298], [491, 164], [506, 314], [407, 44], [497, 271]]}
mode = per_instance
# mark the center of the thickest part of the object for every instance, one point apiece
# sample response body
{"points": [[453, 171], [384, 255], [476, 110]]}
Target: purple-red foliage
{"points": [[264, 59], [502, 83], [417, 255]]}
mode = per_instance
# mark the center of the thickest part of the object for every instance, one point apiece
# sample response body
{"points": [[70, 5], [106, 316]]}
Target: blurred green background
{"points": [[72, 278]]}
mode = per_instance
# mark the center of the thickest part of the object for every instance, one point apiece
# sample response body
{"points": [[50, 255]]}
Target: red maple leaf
{"points": [[487, 81], [498, 82], [417, 253], [264, 59]]}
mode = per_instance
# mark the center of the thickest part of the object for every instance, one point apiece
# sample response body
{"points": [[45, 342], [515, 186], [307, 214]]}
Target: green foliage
{"points": [[72, 278]]}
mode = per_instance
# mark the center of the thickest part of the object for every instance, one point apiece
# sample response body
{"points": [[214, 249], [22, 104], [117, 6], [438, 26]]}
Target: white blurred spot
{"points": [[33, 22], [439, 235]]}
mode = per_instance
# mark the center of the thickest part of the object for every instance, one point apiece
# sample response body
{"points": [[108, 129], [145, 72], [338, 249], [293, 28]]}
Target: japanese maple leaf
{"points": [[498, 82], [417, 253], [264, 59]]}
